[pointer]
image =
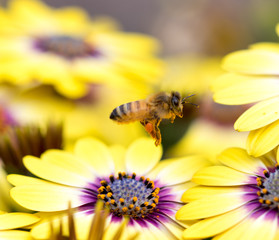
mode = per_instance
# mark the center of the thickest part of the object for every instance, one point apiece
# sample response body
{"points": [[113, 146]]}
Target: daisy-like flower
{"points": [[253, 79], [10, 222], [238, 200], [65, 49], [131, 183]]}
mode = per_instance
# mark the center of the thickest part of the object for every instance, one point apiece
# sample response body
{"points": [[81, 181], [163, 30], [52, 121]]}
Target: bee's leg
{"points": [[143, 123], [149, 127], [172, 118], [157, 132]]}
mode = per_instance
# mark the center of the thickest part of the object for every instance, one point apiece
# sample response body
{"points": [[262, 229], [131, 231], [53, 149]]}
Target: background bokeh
{"points": [[213, 27]]}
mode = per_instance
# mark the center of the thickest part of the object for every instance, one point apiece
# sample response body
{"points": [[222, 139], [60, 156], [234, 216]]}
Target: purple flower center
{"points": [[66, 46], [127, 196], [135, 197], [269, 188]]}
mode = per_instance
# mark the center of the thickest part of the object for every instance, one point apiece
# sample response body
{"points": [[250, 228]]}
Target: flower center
{"points": [[269, 188], [128, 196], [66, 46]]}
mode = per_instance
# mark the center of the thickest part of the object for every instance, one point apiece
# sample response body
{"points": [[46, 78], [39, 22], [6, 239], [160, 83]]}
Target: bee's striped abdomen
{"points": [[132, 111]]}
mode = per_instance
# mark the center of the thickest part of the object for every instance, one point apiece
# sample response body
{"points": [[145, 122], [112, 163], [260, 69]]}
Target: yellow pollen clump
{"points": [[109, 195], [261, 200], [157, 190], [135, 199], [264, 191], [153, 205], [268, 202], [146, 204], [131, 206], [121, 200], [112, 201], [137, 209], [103, 182], [124, 209], [276, 199]]}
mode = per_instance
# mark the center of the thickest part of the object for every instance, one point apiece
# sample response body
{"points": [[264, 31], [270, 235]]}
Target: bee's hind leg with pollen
{"points": [[149, 127], [152, 127]]}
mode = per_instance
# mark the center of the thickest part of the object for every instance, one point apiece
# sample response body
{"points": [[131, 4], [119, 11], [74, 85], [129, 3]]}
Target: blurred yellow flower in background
{"points": [[253, 79], [237, 200], [203, 129], [131, 182], [84, 117], [66, 49]]}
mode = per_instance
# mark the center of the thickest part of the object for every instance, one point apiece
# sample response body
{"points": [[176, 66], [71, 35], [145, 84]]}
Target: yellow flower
{"points": [[253, 79], [10, 222], [132, 183], [238, 200], [65, 49]]}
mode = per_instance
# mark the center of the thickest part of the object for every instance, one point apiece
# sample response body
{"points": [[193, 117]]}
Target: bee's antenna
{"points": [[184, 100]]}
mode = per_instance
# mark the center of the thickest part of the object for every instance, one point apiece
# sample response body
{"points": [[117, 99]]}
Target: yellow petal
{"points": [[235, 232], [214, 225], [261, 228], [53, 173], [259, 115], [30, 11], [254, 62], [248, 91], [118, 153], [181, 170], [229, 79], [158, 168], [41, 197], [220, 176], [142, 156], [263, 140], [18, 180], [15, 235], [96, 154], [267, 46], [210, 206], [69, 162], [16, 220], [252, 228], [198, 192], [73, 20], [238, 159]]}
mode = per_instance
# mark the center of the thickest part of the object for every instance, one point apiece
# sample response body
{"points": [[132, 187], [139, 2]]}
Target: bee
{"points": [[150, 111]]}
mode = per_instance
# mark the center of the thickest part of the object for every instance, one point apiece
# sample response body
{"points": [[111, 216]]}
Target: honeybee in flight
{"points": [[150, 111]]}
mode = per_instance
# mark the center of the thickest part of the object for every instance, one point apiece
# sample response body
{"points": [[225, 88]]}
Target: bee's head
{"points": [[177, 104]]}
